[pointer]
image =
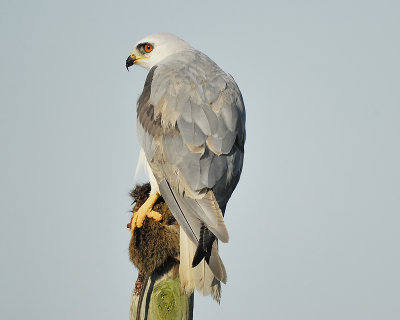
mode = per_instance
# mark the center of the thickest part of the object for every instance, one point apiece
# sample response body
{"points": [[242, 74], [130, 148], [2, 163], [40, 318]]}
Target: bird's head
{"points": [[152, 49]]}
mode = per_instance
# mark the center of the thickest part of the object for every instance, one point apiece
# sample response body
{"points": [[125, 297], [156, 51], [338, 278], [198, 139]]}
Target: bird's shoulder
{"points": [[191, 75], [191, 68]]}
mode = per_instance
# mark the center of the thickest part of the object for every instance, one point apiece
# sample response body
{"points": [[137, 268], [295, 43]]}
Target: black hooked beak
{"points": [[130, 62]]}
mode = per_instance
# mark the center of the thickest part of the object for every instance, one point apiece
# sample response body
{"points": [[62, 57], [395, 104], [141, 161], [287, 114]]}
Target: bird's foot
{"points": [[146, 210]]}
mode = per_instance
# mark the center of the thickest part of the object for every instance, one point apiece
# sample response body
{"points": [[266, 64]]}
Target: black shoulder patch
{"points": [[145, 111], [145, 96]]}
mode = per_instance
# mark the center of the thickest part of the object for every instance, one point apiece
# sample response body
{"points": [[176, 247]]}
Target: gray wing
{"points": [[191, 125]]}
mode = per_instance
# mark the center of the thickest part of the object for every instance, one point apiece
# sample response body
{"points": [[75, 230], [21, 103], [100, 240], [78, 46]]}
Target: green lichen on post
{"points": [[167, 302], [163, 300]]}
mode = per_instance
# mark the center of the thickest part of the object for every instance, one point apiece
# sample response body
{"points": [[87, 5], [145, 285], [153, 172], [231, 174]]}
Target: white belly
{"points": [[143, 164], [152, 179]]}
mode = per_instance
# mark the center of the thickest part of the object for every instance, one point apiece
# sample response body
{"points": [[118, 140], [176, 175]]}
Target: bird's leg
{"points": [[146, 210]]}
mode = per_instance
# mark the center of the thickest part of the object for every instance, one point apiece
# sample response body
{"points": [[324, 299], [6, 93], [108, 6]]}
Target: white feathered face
{"points": [[151, 50]]}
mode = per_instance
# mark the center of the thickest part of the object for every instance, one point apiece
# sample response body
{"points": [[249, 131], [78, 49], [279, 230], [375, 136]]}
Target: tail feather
{"points": [[200, 277], [186, 276], [204, 246], [200, 267], [208, 211], [207, 250], [216, 264]]}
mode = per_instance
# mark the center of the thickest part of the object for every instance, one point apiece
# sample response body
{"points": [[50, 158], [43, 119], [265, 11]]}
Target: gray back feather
{"points": [[191, 125]]}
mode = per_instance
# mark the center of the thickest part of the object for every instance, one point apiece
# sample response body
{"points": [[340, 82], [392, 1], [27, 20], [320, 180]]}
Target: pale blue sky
{"points": [[320, 80]]}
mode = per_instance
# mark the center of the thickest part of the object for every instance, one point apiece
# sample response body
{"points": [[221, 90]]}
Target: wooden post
{"points": [[163, 300]]}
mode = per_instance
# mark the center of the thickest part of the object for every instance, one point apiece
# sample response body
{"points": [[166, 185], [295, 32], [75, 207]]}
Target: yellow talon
{"points": [[146, 210]]}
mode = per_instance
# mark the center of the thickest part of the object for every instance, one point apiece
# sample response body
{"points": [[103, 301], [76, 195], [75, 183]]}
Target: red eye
{"points": [[148, 47]]}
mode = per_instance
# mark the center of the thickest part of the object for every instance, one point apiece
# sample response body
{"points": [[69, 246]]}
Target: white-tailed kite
{"points": [[191, 127]]}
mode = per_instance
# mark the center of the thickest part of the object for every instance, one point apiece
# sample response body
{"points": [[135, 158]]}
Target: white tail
{"points": [[201, 277]]}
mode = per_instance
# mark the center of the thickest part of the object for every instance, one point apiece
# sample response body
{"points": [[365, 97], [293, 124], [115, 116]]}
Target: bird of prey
{"points": [[191, 127]]}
